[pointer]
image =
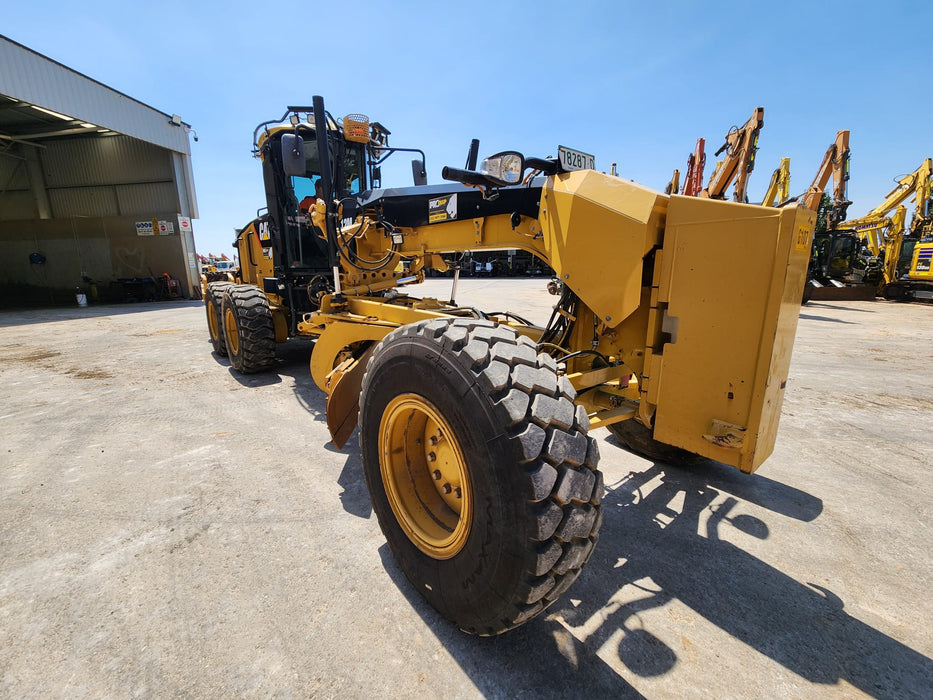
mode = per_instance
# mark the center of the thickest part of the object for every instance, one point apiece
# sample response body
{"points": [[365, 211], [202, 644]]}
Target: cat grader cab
{"points": [[673, 327]]}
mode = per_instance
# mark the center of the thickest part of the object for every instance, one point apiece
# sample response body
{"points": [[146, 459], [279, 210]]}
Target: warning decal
{"points": [[442, 209], [803, 241]]}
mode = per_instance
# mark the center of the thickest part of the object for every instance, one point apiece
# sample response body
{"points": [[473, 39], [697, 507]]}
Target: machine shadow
{"points": [[355, 496], [57, 314], [826, 319], [804, 627], [539, 659], [818, 305], [293, 358]]}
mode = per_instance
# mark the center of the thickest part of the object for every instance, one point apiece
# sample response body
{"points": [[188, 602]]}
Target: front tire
{"points": [[480, 470], [249, 329]]}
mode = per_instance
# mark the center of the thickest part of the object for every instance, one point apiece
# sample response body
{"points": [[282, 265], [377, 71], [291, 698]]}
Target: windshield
{"points": [[307, 247], [350, 170], [354, 164]]}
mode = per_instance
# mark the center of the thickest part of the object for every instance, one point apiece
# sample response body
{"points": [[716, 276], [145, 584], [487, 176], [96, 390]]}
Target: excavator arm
{"points": [[696, 161], [923, 212], [916, 184], [883, 228], [740, 148], [836, 165], [779, 187]]}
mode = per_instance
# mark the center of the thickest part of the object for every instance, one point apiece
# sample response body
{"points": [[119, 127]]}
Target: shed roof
{"points": [[42, 98]]}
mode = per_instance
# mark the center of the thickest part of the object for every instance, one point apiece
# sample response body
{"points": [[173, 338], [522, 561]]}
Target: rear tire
{"points": [[213, 300], [249, 329], [468, 407]]}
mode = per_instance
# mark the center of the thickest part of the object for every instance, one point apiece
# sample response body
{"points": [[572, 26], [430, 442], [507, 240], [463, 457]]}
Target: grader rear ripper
{"points": [[674, 327]]}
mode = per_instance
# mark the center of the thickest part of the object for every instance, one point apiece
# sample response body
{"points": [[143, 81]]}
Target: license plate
{"points": [[575, 160]]}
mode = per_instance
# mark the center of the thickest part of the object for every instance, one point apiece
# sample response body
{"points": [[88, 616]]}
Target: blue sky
{"points": [[632, 83]]}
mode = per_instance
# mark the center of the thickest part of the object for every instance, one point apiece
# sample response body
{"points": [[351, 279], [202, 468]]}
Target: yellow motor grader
{"points": [[673, 327]]}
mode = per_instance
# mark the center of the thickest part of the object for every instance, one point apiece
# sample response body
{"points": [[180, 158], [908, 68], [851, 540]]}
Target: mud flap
{"points": [[343, 397]]}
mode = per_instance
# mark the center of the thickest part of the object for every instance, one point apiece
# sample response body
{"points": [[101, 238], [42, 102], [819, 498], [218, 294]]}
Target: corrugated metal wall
{"points": [[103, 249], [83, 201], [77, 199], [13, 171], [148, 197], [16, 200], [103, 161], [112, 176], [32, 78]]}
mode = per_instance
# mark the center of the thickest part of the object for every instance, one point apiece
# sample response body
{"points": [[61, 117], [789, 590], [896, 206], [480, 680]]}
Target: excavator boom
{"points": [[740, 148], [779, 187], [836, 165], [696, 162], [916, 184]]}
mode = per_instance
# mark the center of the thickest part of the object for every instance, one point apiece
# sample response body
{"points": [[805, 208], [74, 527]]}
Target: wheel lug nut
{"points": [[436, 474], [431, 456], [448, 488], [457, 492]]}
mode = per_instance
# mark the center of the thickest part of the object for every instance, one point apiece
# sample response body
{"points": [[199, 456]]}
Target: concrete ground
{"points": [[169, 528]]}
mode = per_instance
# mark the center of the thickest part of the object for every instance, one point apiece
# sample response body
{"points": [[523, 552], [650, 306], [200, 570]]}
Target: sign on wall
{"points": [[144, 228], [156, 227]]}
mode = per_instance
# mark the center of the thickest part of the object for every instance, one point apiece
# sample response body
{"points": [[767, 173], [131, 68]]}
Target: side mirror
{"points": [[417, 172], [377, 178], [293, 154]]}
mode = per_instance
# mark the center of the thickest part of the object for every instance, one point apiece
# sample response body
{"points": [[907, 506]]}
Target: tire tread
{"points": [[255, 326], [557, 459]]}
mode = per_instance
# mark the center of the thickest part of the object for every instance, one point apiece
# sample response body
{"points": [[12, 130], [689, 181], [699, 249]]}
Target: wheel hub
{"points": [[425, 475], [212, 321], [233, 340]]}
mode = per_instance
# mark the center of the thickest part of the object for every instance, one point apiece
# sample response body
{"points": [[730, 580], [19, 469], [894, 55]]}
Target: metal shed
{"points": [[96, 189]]}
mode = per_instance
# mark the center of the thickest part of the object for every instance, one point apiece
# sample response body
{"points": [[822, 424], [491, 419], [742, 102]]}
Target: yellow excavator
{"points": [[905, 255], [837, 270], [835, 164], [740, 147], [779, 187], [474, 425]]}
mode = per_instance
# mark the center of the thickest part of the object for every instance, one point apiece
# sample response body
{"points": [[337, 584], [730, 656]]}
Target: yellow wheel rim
{"points": [[233, 340], [212, 321], [426, 478]]}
